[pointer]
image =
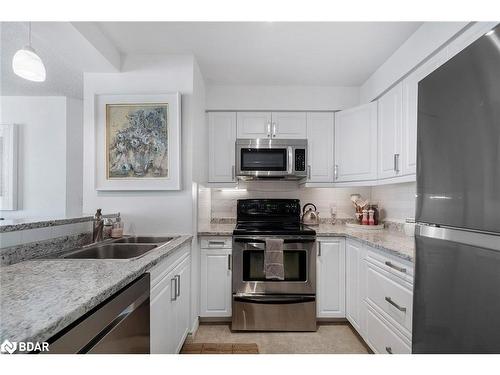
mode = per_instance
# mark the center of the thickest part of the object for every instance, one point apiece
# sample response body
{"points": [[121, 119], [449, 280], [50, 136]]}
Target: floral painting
{"points": [[137, 140]]}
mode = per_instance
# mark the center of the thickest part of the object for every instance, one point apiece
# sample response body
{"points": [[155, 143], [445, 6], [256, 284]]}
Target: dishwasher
{"points": [[119, 325]]}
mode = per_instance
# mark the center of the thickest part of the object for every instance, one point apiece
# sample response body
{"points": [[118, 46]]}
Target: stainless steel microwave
{"points": [[271, 159]]}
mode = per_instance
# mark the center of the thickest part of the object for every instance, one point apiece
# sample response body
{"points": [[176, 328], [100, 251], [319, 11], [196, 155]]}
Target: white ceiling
{"points": [[270, 53]]}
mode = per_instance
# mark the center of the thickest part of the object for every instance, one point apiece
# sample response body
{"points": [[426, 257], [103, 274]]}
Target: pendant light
{"points": [[27, 64]]}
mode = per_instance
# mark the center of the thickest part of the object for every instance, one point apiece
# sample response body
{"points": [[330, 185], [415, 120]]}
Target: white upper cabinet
{"points": [[410, 110], [284, 125], [288, 125], [221, 146], [330, 278], [390, 108], [254, 125], [356, 144], [320, 146]]}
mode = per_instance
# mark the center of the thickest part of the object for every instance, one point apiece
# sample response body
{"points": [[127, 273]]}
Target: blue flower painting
{"points": [[137, 140]]}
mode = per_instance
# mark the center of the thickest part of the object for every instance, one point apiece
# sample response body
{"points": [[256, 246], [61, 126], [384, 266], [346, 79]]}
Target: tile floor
{"points": [[329, 339]]}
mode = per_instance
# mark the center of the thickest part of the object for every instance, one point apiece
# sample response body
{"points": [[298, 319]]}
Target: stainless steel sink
{"points": [[144, 239], [110, 251]]}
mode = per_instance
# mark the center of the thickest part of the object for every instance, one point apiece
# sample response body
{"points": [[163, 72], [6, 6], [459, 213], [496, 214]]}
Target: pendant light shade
{"points": [[27, 64]]}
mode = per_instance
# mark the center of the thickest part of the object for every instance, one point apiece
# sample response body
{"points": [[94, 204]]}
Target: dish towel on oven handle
{"points": [[273, 259]]}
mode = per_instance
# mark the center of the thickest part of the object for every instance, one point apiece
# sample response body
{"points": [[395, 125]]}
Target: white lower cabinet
{"points": [[216, 274], [170, 302], [355, 282], [330, 276], [381, 338], [379, 297]]}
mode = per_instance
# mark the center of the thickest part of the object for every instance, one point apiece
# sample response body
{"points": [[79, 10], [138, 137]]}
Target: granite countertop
{"points": [[38, 298], [12, 225], [393, 242]]}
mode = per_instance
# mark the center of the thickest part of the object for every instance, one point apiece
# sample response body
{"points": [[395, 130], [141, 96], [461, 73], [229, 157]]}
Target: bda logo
{"points": [[8, 347]]}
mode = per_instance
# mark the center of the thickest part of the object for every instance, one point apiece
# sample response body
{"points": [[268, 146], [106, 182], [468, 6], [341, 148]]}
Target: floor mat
{"points": [[209, 348]]}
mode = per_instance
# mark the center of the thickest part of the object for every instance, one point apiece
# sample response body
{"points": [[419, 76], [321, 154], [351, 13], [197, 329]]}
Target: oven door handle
{"points": [[275, 300]]}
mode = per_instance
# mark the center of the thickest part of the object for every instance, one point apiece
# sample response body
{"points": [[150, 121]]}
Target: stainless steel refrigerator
{"points": [[457, 271]]}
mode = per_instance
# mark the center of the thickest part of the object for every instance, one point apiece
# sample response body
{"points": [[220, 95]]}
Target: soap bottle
{"points": [[117, 230], [107, 228]]}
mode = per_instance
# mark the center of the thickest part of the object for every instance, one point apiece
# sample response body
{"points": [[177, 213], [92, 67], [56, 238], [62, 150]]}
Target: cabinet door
{"points": [[331, 279], [410, 110], [183, 302], [356, 144], [320, 146], [254, 124], [221, 146], [163, 316], [390, 107], [215, 286], [288, 125], [355, 276]]}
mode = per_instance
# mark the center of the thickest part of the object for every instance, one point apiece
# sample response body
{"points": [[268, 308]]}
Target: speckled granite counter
{"points": [[393, 242], [38, 298]]}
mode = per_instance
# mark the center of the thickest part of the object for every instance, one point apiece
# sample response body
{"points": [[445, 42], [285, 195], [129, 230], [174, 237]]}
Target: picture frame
{"points": [[138, 142], [8, 166]]}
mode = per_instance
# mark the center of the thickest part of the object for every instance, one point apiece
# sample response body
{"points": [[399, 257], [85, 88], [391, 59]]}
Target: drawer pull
{"points": [[400, 269], [216, 243], [388, 349], [402, 309], [229, 262]]}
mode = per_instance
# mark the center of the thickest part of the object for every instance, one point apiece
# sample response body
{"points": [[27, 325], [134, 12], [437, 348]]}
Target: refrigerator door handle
{"points": [[479, 239]]}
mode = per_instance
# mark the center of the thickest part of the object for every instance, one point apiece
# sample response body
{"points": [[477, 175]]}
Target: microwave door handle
{"points": [[290, 160]]}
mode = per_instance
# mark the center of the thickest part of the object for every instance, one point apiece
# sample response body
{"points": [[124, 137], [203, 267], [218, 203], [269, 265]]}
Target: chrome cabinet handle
{"points": [[229, 262], [274, 129], [400, 269], [268, 129], [233, 172], [173, 289], [396, 163], [389, 299], [216, 243], [336, 171], [388, 349], [178, 285], [309, 172]]}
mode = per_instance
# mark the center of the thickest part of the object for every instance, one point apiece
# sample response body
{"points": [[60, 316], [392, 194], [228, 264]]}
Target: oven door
{"points": [[299, 258]]}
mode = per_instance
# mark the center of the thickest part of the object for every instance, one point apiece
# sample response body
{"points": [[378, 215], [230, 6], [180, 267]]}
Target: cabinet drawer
{"points": [[393, 299], [216, 242], [382, 338], [393, 266]]}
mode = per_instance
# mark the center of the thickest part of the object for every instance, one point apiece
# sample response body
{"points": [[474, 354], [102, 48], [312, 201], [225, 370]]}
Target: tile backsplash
{"points": [[397, 201]]}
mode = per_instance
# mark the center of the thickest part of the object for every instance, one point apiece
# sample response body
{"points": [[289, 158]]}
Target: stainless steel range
{"points": [[264, 304]]}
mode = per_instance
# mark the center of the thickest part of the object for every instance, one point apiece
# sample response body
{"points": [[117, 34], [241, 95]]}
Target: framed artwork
{"points": [[138, 142], [8, 167]]}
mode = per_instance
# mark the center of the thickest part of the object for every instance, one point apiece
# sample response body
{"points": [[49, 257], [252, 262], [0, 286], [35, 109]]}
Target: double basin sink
{"points": [[123, 248]]}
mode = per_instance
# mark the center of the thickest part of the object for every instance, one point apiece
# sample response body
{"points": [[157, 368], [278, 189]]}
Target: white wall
{"points": [[144, 212], [247, 97], [428, 38], [48, 129], [74, 157]]}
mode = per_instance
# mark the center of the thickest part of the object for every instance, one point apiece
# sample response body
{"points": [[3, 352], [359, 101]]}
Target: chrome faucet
{"points": [[98, 226]]}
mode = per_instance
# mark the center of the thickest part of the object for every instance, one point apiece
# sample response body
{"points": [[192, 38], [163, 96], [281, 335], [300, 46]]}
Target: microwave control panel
{"points": [[300, 159]]}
